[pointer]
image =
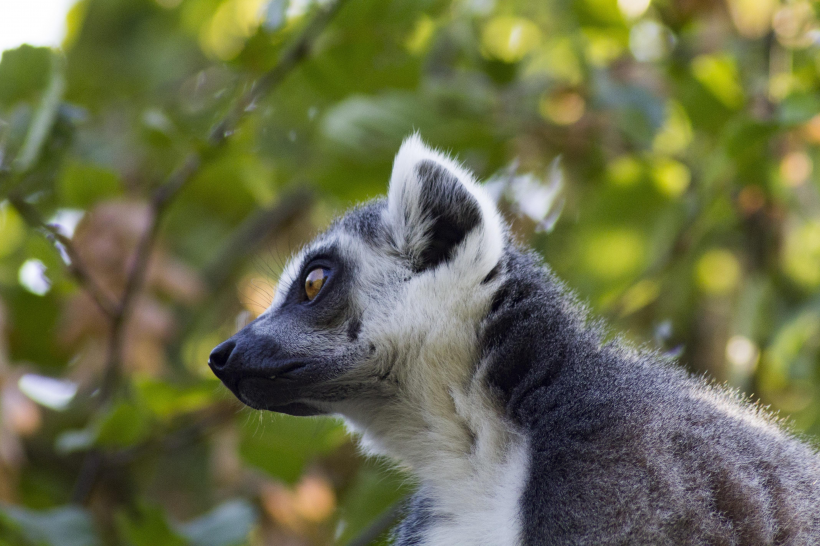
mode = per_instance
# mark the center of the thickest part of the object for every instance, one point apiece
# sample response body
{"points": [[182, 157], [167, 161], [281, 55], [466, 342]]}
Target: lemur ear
{"points": [[435, 209]]}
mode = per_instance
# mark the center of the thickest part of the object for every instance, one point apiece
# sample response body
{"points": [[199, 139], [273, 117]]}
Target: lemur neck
{"points": [[443, 431]]}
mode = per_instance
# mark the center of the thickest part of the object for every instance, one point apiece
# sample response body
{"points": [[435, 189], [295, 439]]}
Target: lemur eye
{"points": [[314, 282]]}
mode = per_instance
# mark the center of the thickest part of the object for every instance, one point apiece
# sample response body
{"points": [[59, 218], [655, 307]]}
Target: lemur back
{"points": [[445, 346]]}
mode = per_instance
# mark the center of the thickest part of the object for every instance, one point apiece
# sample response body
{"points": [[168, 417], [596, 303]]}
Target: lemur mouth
{"points": [[274, 395], [256, 393], [263, 378]]}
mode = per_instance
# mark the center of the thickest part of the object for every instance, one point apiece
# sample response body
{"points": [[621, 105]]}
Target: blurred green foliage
{"points": [[677, 138]]}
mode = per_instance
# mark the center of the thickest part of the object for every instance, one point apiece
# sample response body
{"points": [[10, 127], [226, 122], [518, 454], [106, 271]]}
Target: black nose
{"points": [[221, 354]]}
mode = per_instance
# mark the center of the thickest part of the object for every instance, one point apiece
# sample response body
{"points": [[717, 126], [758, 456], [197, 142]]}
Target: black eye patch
{"points": [[330, 276]]}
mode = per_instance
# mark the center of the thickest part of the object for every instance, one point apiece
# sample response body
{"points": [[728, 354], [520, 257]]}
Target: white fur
{"points": [[446, 427], [442, 424], [485, 510]]}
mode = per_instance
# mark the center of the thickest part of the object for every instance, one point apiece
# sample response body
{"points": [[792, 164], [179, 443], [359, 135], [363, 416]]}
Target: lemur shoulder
{"points": [[450, 349]]}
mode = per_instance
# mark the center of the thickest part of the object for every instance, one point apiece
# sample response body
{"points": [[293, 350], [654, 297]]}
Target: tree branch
{"points": [[293, 55], [76, 268], [136, 278], [160, 200]]}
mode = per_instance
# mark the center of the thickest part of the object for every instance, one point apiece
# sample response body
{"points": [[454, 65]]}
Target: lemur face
{"points": [[366, 309]]}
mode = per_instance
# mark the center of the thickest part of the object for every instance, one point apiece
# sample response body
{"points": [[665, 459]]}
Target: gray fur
{"points": [[449, 348], [627, 448]]}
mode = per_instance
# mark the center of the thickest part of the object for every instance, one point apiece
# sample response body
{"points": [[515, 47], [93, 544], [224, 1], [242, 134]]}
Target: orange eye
{"points": [[314, 282]]}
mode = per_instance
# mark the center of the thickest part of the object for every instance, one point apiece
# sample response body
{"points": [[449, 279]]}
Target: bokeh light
{"points": [[632, 9], [718, 272], [509, 39], [615, 253], [562, 108], [742, 353]]}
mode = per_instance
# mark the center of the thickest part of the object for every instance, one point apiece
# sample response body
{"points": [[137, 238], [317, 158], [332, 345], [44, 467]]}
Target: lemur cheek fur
{"points": [[449, 348]]}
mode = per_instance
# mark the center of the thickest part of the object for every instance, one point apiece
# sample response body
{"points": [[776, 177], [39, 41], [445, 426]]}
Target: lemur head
{"points": [[380, 313]]}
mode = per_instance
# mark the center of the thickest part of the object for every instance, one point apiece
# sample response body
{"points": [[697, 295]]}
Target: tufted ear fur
{"points": [[437, 212]]}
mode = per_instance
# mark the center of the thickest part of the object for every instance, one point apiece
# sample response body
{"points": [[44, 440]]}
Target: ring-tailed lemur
{"points": [[447, 347]]}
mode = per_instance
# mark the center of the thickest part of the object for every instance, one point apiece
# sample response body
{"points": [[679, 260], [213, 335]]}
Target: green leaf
{"points": [[166, 399], [64, 526], [23, 72], [642, 113], [148, 526], [83, 184], [283, 446], [367, 126], [226, 525], [12, 229], [45, 117], [720, 76], [123, 426], [377, 487], [798, 108]]}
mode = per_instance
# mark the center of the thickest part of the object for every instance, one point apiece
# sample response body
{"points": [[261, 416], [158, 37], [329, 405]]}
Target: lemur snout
{"points": [[221, 355]]}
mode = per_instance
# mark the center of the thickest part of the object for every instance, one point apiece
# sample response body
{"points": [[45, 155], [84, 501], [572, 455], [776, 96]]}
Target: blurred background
{"points": [[161, 159]]}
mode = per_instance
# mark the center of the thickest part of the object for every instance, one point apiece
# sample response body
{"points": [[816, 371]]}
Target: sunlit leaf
{"points": [[801, 254], [625, 171], [650, 41], [719, 74], [12, 229], [418, 41], [676, 133], [718, 272], [558, 59], [753, 18], [509, 38], [671, 177], [232, 24], [615, 252]]}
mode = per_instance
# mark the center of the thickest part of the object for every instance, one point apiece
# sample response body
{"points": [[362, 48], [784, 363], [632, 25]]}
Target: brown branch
{"points": [[161, 198], [136, 277], [76, 268]]}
